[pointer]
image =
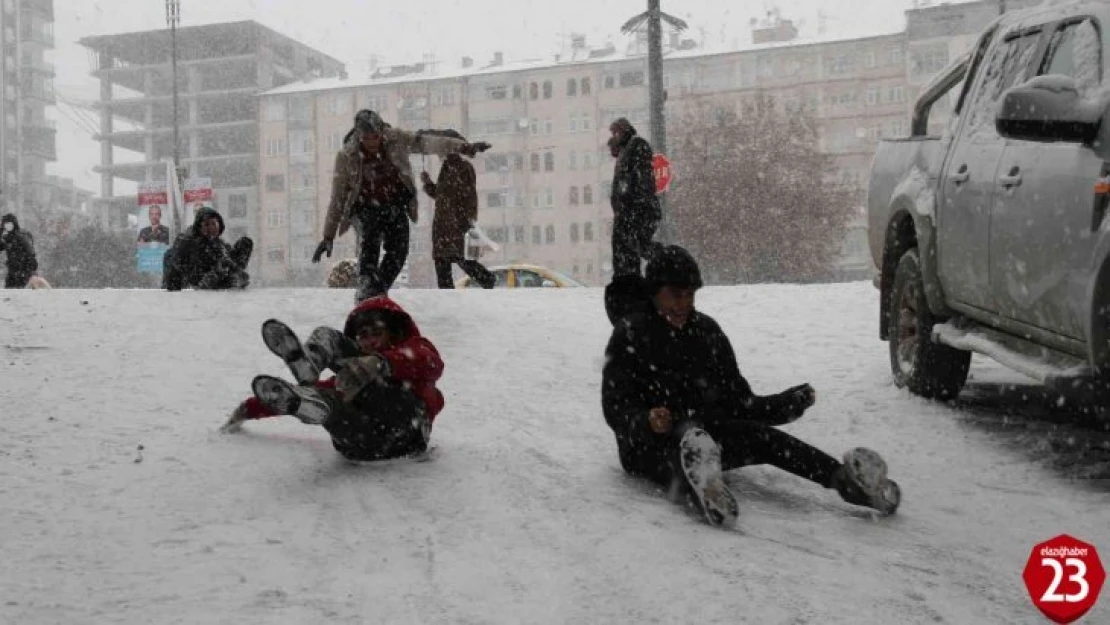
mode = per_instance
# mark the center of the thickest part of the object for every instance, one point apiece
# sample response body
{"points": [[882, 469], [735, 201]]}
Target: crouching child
{"points": [[382, 399]]}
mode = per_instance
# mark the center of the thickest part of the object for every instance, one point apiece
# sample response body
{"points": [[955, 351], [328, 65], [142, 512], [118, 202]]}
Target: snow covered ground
{"points": [[121, 503]]}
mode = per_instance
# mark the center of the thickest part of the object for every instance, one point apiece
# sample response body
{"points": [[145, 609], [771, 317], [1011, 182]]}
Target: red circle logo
{"points": [[1064, 577]]}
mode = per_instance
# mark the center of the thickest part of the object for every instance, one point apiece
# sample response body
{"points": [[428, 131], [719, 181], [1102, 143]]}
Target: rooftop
{"points": [[327, 84]]}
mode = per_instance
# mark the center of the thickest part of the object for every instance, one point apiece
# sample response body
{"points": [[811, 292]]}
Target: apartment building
{"points": [[221, 68], [27, 137], [543, 188]]}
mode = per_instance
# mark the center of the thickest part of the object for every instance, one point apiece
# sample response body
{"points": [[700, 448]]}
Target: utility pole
{"points": [[654, 18], [173, 18]]}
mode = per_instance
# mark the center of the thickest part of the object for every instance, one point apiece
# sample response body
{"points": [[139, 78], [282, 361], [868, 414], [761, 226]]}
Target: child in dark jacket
{"points": [[682, 413], [382, 400]]}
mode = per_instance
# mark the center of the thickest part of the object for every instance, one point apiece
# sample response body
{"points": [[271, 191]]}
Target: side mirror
{"points": [[548, 283], [1048, 108]]}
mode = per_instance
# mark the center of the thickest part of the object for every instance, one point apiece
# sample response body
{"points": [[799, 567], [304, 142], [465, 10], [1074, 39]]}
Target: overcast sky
{"points": [[401, 32]]}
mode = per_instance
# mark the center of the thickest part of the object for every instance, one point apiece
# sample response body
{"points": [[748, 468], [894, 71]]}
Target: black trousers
{"points": [[384, 421], [632, 240], [380, 226], [476, 270], [743, 443], [15, 280]]}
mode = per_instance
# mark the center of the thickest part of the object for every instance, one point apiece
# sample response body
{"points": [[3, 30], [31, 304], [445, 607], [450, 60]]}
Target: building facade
{"points": [[544, 187], [221, 68], [27, 137]]}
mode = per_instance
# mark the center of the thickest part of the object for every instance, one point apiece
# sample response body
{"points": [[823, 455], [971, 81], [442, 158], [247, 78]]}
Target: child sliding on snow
{"points": [[382, 400]]}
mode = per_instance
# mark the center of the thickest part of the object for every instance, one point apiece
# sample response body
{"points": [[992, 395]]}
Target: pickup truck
{"points": [[992, 236]]}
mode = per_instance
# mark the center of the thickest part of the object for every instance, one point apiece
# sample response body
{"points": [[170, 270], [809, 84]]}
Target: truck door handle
{"points": [[960, 176], [1013, 179]]}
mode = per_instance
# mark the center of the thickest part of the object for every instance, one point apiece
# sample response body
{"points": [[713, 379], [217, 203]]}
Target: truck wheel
{"points": [[927, 368]]}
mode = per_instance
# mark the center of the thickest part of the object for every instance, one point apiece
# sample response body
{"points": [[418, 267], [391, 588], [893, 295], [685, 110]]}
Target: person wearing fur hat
{"points": [[682, 413], [382, 399], [373, 189], [201, 259], [636, 210], [455, 192], [20, 248]]}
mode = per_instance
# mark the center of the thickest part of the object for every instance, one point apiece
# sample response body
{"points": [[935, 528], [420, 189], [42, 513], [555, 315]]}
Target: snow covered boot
{"points": [[328, 348], [862, 481], [283, 398], [700, 458], [283, 342]]}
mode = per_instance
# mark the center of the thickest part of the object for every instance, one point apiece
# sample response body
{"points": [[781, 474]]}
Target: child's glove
{"points": [[356, 373]]}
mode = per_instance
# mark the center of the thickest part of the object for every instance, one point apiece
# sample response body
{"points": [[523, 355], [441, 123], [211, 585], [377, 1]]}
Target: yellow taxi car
{"points": [[522, 276]]}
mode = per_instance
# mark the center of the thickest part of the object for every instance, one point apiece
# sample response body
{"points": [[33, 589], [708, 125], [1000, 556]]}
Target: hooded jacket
{"points": [[20, 247], [194, 255], [633, 190]]}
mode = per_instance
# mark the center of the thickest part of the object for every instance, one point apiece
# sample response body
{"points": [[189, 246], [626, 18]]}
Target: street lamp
{"points": [[654, 17], [173, 18]]}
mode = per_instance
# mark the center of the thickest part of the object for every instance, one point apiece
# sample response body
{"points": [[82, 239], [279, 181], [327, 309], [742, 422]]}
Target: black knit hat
{"points": [[672, 265], [369, 121]]}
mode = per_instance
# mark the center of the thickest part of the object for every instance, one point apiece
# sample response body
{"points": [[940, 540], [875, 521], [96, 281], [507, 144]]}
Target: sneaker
{"points": [[701, 463], [235, 420], [284, 398], [328, 347], [283, 342], [862, 481]]}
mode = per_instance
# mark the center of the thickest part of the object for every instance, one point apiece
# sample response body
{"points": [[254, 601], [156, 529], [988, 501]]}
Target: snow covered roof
{"points": [[327, 84]]}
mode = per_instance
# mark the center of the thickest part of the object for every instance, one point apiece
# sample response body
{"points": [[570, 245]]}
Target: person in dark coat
{"points": [[20, 248], [382, 400], [636, 211], [456, 196], [373, 189], [202, 260], [682, 412]]}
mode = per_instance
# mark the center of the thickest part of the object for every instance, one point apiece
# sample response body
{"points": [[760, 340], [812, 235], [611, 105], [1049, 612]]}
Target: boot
{"points": [[700, 458], [862, 481], [284, 398], [283, 342]]}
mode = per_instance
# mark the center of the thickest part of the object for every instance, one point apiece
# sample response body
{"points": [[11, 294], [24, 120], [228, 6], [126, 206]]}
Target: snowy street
{"points": [[121, 503]]}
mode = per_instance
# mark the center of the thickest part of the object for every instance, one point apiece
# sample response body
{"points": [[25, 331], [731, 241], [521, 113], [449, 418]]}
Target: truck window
{"points": [[1003, 68], [1076, 50]]}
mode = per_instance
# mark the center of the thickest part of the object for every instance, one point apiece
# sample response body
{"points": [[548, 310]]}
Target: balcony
{"points": [[41, 67], [37, 31], [38, 139]]}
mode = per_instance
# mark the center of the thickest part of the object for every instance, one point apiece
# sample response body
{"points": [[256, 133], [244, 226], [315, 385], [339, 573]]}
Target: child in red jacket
{"points": [[382, 400]]}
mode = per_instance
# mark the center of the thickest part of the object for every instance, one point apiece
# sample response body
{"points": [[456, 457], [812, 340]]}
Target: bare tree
{"points": [[755, 199]]}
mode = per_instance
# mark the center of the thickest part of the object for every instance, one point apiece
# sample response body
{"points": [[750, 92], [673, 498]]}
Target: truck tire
{"points": [[926, 368]]}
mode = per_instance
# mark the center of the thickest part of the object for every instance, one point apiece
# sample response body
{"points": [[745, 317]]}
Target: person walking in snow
{"points": [[682, 412], [373, 188], [455, 192], [202, 260], [382, 400], [636, 210], [20, 248]]}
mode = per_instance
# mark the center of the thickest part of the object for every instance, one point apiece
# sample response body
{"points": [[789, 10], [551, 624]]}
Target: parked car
{"points": [[523, 276], [992, 237]]}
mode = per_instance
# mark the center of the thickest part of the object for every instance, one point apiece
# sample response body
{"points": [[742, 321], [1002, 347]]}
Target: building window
{"points": [[549, 233], [534, 126], [497, 162], [302, 142], [518, 234], [339, 104], [585, 124], [275, 182], [496, 92], [587, 160], [573, 196], [275, 111], [274, 219], [275, 147], [495, 200], [587, 194], [547, 90], [548, 197], [896, 94], [517, 92], [275, 255], [535, 161], [585, 86], [548, 126], [610, 81], [572, 123], [574, 233], [534, 91], [632, 79], [537, 235], [549, 161], [518, 162], [871, 97], [588, 232], [237, 205], [572, 87]]}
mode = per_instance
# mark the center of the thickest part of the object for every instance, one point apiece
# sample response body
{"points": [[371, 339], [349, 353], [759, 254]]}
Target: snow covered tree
{"points": [[754, 199]]}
